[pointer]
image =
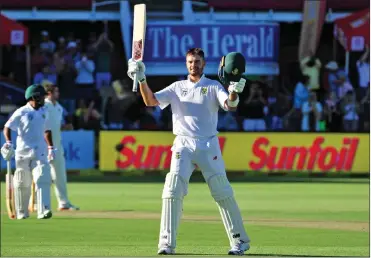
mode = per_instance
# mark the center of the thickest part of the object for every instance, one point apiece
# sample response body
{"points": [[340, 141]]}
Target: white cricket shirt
{"points": [[194, 106], [30, 125], [55, 115]]}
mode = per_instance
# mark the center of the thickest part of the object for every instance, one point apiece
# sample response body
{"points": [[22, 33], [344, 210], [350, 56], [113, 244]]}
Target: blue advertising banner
{"points": [[78, 149], [257, 42], [166, 46]]}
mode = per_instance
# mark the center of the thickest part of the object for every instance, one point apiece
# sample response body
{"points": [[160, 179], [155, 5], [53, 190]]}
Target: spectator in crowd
{"points": [[278, 110], [103, 49], [46, 76], [311, 66], [227, 121], [311, 114], [332, 112], [87, 117], [72, 53], [71, 37], [252, 109], [334, 76], [38, 61], [350, 110], [301, 94], [61, 44], [344, 86], [363, 67], [47, 45], [85, 72]]}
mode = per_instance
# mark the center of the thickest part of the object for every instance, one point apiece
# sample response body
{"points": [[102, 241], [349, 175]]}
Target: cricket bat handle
{"points": [[135, 83]]}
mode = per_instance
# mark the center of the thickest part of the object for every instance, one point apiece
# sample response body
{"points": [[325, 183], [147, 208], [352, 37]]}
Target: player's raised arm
{"points": [[138, 68], [161, 98]]}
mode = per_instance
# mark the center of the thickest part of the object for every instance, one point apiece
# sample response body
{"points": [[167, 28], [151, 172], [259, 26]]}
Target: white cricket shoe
{"points": [[47, 214], [22, 216], [68, 207], [239, 249], [166, 250]]}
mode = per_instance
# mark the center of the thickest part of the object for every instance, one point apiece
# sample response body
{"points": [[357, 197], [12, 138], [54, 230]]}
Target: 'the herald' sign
{"points": [[169, 43]]}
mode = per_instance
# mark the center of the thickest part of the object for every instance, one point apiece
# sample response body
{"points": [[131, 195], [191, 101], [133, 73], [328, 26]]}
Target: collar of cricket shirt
{"points": [[195, 83]]}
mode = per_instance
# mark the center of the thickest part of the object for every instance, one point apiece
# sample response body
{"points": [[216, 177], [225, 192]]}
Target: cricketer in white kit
{"points": [[58, 166], [195, 103], [34, 151]]}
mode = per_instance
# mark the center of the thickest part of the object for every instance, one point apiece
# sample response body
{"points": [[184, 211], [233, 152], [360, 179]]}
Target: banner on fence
{"points": [[167, 45], [78, 147], [265, 152]]}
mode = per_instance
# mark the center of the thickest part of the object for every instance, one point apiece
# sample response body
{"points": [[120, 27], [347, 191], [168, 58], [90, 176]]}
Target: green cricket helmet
{"points": [[231, 67], [35, 92]]}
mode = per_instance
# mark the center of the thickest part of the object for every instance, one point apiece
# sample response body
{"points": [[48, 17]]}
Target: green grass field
{"points": [[122, 219]]}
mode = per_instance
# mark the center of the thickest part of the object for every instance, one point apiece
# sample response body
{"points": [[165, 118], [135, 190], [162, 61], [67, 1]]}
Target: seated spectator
{"points": [[103, 49], [47, 45], [311, 114], [363, 67], [311, 66], [350, 112], [252, 109], [87, 118], [85, 71], [46, 76], [332, 113]]}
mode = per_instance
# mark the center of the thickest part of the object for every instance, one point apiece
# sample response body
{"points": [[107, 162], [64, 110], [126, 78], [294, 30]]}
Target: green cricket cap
{"points": [[234, 66]]}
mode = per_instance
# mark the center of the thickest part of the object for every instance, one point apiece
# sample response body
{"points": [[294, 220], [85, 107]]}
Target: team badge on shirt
{"points": [[43, 116], [184, 92], [30, 117], [204, 90], [177, 155]]}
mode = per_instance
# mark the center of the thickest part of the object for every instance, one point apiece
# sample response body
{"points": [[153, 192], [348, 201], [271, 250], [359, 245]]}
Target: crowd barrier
{"points": [[265, 152], [79, 147]]}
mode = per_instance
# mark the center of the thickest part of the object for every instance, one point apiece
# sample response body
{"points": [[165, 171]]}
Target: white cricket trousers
{"points": [[206, 153], [59, 177]]}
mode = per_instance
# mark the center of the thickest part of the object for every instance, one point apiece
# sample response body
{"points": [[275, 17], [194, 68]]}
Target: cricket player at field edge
{"points": [[58, 166], [34, 151], [195, 103]]}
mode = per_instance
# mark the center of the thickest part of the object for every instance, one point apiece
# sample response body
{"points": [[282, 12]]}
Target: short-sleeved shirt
{"points": [[55, 115], [30, 125], [194, 106]]}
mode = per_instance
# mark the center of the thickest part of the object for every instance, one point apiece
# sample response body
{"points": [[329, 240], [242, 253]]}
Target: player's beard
{"points": [[196, 72]]}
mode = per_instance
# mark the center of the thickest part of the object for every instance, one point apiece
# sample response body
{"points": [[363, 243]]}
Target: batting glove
{"points": [[7, 151], [137, 67], [51, 153], [237, 87]]}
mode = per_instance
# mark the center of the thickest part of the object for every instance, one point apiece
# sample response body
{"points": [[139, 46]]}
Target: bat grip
{"points": [[135, 83]]}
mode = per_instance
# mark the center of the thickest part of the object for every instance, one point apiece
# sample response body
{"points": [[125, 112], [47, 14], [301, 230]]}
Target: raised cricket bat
{"points": [[10, 205], [139, 33]]}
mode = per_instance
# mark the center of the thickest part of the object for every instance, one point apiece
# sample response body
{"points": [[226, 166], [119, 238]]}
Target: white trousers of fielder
{"points": [[59, 177], [206, 154]]}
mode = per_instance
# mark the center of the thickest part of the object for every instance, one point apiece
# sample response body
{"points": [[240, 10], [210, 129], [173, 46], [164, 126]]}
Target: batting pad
{"points": [[22, 181], [172, 206], [42, 181], [222, 192]]}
